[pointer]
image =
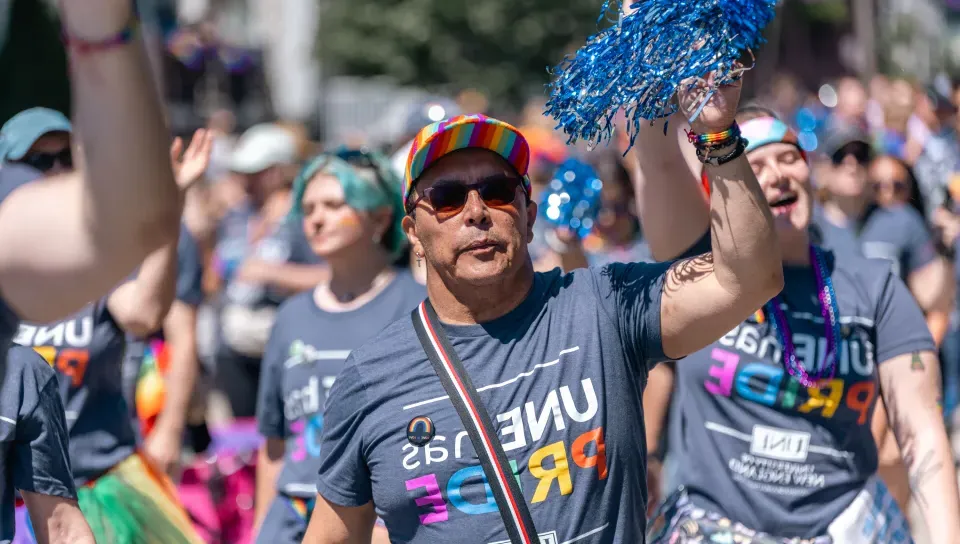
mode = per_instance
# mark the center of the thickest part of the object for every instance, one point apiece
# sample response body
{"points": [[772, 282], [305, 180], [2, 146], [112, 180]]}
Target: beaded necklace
{"points": [[831, 319]]}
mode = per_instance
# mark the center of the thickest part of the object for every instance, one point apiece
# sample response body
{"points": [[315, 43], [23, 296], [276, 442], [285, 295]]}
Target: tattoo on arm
{"points": [[922, 467], [916, 363], [688, 271], [927, 469]]}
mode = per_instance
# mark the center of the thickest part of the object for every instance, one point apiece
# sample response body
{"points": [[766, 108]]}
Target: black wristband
{"points": [[741, 146]]}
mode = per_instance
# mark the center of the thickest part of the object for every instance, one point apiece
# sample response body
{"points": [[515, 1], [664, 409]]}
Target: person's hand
{"points": [[720, 110], [163, 446], [190, 168]]}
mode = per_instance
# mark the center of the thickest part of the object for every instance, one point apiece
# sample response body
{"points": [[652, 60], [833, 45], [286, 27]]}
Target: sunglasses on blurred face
{"points": [[898, 186], [859, 150], [448, 198], [45, 162]]}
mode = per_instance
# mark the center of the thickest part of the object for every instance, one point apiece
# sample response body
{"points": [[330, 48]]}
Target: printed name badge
{"points": [[420, 431], [781, 444]]}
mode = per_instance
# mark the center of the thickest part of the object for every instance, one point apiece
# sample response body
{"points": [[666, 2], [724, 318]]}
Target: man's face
{"points": [[483, 243]]}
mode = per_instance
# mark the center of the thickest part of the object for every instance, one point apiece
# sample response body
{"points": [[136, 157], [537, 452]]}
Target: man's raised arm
{"points": [[707, 296]]}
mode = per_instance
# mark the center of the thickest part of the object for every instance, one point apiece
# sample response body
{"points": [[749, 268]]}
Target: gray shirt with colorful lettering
{"points": [[755, 445], [307, 350], [562, 377], [87, 351]]}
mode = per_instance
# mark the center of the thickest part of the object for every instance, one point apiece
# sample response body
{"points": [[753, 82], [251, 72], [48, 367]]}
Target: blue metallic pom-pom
{"points": [[638, 64], [572, 198]]}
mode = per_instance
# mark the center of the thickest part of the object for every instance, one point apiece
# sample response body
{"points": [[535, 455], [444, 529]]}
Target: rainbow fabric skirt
{"points": [[135, 504], [131, 504]]}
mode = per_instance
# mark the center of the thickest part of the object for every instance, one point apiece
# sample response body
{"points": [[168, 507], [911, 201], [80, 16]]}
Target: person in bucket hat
{"points": [[557, 362]]}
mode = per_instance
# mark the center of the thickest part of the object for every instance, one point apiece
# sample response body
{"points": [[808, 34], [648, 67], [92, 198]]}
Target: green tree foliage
{"points": [[501, 47]]}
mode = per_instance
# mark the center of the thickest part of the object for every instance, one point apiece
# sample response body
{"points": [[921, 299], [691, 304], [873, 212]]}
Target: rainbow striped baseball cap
{"points": [[461, 132]]}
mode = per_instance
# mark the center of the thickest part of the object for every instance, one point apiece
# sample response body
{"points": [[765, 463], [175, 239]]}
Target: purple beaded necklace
{"points": [[831, 319]]}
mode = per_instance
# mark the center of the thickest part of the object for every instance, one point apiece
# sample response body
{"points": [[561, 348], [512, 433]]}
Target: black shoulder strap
{"points": [[464, 396]]}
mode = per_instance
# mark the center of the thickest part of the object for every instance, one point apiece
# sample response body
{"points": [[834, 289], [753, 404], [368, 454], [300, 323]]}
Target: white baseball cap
{"points": [[261, 147]]}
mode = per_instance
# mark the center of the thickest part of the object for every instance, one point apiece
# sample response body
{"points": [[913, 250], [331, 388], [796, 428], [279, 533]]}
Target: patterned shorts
{"points": [[872, 518]]}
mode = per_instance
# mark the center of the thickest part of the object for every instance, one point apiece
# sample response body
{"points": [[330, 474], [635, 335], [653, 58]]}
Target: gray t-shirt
{"points": [[33, 434], [896, 234], [841, 240], [86, 350], [562, 377], [307, 350], [760, 448], [900, 236]]}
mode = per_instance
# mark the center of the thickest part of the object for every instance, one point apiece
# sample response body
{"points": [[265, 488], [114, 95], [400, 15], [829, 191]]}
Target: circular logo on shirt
{"points": [[420, 430]]}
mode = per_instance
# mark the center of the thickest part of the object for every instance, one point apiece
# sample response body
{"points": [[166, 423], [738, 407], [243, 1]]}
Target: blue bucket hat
{"points": [[23, 130]]}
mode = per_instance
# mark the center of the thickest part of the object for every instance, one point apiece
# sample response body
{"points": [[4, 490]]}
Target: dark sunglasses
{"points": [[860, 151], [897, 185], [447, 198], [362, 159], [46, 161]]}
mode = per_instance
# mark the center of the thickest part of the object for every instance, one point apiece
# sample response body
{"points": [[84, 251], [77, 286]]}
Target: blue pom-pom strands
{"points": [[638, 63]]}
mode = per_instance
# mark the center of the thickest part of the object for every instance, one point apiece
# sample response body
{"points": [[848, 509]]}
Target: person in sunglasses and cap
{"points": [[39, 138], [852, 222], [559, 361]]}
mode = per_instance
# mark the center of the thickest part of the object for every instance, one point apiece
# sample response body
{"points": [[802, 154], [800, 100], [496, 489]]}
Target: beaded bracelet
{"points": [[82, 46], [716, 139]]}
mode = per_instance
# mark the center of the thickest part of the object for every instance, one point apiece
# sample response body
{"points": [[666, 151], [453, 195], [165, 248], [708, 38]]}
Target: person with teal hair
{"points": [[349, 205]]}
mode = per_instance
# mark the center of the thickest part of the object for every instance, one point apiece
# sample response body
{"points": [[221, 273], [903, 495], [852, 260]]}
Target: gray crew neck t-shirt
{"points": [[306, 351], [760, 448], [899, 235], [87, 351], [33, 434], [562, 377]]}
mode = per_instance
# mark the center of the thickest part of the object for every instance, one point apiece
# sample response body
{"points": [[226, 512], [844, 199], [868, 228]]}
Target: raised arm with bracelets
{"points": [[79, 234], [708, 295]]}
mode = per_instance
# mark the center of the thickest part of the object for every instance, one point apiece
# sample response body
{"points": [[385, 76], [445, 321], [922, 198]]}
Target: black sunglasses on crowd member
{"points": [[448, 197], [860, 150], [898, 185], [361, 158], [44, 162]]}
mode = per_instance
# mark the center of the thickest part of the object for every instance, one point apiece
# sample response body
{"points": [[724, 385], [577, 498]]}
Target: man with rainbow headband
{"points": [[774, 419], [558, 361]]}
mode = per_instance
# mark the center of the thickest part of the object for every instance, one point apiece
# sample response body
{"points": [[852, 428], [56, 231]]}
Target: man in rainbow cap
{"points": [[557, 362]]}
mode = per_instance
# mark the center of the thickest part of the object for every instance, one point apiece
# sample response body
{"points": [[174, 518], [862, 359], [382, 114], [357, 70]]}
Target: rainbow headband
{"points": [[768, 130]]}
